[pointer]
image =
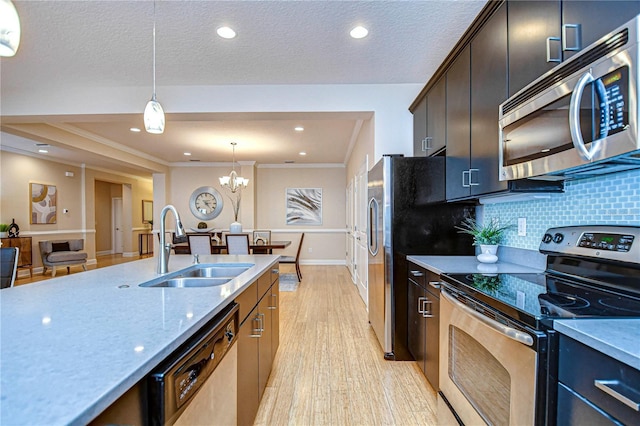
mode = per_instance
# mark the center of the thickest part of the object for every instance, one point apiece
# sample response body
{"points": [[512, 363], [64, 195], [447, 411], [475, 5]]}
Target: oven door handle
{"points": [[507, 331]]}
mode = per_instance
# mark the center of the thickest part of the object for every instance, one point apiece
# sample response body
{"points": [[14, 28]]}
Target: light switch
{"points": [[522, 226]]}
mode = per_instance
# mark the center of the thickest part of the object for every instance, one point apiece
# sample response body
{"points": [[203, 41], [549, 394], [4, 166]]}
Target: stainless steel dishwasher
{"points": [[197, 384]]}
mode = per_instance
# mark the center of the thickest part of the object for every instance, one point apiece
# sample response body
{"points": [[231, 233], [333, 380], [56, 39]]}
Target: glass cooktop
{"points": [[536, 299]]}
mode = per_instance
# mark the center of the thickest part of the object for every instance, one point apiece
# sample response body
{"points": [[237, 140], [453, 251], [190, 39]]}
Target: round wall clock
{"points": [[206, 203]]}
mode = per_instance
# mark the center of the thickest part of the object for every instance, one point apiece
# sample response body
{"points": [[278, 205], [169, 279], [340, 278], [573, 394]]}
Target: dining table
{"points": [[217, 248]]}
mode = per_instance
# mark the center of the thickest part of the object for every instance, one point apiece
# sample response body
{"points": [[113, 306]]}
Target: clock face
{"points": [[205, 203]]}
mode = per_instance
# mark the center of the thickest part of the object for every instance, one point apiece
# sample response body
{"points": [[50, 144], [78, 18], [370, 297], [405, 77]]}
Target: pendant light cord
{"points": [[154, 50]]}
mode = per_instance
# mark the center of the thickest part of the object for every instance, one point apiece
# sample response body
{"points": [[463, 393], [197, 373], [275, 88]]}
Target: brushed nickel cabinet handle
{"points": [[559, 51], [614, 388]]}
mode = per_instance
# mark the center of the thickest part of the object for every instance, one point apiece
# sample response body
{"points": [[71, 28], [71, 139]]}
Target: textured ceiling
{"points": [[71, 45]]}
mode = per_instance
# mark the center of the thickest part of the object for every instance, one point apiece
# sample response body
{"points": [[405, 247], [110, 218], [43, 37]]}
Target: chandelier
{"points": [[233, 181]]}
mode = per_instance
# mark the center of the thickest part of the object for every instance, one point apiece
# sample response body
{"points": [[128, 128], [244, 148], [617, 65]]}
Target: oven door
{"points": [[488, 370]]}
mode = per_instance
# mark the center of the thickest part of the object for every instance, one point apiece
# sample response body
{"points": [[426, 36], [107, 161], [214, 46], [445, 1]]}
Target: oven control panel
{"points": [[614, 242], [602, 241]]}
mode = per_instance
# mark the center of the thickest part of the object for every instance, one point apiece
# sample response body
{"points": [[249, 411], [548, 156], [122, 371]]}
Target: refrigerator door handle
{"points": [[373, 226]]}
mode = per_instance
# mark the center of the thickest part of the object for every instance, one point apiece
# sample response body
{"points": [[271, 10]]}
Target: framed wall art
{"points": [[304, 206], [43, 205]]}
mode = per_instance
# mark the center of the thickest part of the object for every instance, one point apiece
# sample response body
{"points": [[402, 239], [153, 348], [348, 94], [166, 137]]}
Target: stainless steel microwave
{"points": [[581, 118]]}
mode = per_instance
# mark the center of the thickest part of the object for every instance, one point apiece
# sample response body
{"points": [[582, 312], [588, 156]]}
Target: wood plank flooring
{"points": [[329, 369]]}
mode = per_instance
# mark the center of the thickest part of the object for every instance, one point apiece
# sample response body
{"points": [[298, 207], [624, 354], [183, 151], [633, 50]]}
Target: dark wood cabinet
{"points": [[458, 113], [584, 22], [476, 86], [594, 388], [25, 251], [424, 321], [535, 45], [436, 118], [429, 122], [488, 91], [258, 342], [420, 128]]}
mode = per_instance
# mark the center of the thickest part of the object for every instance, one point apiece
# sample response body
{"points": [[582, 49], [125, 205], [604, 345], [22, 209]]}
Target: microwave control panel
{"points": [[616, 88]]}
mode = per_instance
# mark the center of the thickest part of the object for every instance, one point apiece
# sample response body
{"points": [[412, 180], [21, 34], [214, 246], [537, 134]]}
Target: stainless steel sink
{"points": [[210, 275], [188, 282], [216, 271]]}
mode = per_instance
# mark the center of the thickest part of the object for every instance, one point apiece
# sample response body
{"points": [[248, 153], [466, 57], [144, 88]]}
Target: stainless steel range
{"points": [[496, 330]]}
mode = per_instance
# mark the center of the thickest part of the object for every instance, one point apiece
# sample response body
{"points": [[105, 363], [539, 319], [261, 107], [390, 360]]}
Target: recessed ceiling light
{"points": [[226, 32], [303, 153], [134, 129], [187, 154], [299, 129], [359, 32], [43, 151]]}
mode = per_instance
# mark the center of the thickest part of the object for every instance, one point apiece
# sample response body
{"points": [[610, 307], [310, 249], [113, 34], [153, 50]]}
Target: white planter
{"points": [[4, 234], [488, 254], [235, 228]]}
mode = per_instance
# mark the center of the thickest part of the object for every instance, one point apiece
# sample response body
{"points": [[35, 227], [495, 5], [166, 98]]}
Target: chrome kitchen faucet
{"points": [[165, 248]]}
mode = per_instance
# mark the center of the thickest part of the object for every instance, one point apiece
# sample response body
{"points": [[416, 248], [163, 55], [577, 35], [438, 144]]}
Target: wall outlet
{"points": [[310, 250], [522, 226]]}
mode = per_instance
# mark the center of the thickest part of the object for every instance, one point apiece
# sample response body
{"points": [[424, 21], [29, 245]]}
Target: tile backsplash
{"points": [[606, 200]]}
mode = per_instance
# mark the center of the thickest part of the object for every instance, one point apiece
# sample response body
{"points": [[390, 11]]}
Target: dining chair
{"points": [[261, 237], [200, 243], [295, 260], [8, 266], [237, 243]]}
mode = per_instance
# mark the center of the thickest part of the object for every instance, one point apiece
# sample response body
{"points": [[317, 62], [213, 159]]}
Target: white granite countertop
{"points": [[618, 338], [468, 264], [71, 346]]}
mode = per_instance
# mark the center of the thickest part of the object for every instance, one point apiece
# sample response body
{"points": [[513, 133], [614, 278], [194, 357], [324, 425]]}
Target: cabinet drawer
{"points": [[247, 301], [602, 380], [417, 274]]}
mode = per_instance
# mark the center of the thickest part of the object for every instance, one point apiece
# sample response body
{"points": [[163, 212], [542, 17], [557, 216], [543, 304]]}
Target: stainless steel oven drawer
{"points": [[606, 383]]}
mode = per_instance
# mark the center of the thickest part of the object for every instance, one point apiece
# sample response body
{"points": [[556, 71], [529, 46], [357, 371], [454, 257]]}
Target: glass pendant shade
{"points": [[154, 117], [9, 28]]}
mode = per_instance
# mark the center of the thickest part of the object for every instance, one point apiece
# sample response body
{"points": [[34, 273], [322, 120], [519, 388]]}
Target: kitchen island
{"points": [[71, 346]]}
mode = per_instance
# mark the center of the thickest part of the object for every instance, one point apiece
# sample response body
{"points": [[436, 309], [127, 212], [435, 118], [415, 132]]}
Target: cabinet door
{"points": [[417, 323], [458, 80], [420, 128], [530, 25], [432, 343], [264, 346], [248, 392], [275, 318], [436, 117], [596, 18], [488, 91]]}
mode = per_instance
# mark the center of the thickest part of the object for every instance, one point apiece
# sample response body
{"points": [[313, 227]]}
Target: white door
{"points": [[118, 240], [350, 240], [360, 231]]}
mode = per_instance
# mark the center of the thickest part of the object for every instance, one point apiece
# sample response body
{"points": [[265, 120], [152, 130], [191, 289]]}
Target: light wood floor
{"points": [[329, 369]]}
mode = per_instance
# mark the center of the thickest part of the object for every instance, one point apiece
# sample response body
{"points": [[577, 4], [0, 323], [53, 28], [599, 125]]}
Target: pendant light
{"points": [[9, 28], [233, 181], [153, 112]]}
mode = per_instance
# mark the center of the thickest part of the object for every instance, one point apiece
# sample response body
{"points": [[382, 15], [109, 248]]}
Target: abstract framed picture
{"points": [[304, 206], [43, 205]]}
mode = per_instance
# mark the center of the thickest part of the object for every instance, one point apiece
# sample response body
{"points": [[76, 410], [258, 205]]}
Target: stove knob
{"points": [[557, 238], [547, 238]]}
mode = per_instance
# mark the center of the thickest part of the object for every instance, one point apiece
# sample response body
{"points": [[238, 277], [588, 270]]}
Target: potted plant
{"points": [[3, 230], [488, 236]]}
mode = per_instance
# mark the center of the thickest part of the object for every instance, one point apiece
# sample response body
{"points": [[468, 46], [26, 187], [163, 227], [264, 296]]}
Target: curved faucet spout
{"points": [[165, 248]]}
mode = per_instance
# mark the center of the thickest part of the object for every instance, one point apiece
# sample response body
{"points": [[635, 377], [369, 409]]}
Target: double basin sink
{"points": [[206, 275]]}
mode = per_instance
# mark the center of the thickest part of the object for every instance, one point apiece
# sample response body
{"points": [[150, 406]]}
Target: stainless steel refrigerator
{"points": [[407, 215]]}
